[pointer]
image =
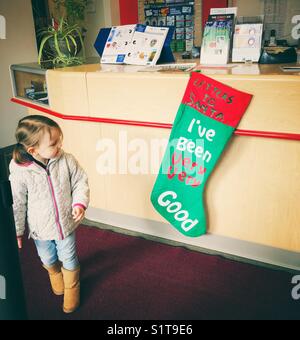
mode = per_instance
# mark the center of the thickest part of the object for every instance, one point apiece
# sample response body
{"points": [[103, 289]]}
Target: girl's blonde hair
{"points": [[29, 133]]}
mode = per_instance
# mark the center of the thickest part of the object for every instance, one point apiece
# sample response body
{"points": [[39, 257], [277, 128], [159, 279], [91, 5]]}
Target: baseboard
{"points": [[212, 244]]}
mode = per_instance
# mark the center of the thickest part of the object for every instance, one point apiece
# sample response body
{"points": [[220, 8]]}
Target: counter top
{"points": [[93, 65], [230, 69]]}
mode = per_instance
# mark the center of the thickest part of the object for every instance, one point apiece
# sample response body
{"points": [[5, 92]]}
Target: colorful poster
{"points": [[173, 13]]}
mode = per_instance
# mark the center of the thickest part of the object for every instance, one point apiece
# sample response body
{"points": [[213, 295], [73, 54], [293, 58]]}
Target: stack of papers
{"points": [[247, 42], [217, 39]]}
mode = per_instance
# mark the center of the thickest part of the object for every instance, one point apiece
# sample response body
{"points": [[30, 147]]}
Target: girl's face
{"points": [[49, 146]]}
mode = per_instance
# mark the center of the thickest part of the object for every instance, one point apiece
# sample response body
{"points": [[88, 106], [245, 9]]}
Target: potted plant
{"points": [[60, 44]]}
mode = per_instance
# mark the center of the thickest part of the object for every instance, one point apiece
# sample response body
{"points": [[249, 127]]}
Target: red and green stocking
{"points": [[207, 117]]}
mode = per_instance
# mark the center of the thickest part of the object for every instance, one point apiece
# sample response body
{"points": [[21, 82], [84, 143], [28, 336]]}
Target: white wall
{"points": [[101, 18], [249, 8], [19, 47], [293, 9], [257, 7], [106, 15]]}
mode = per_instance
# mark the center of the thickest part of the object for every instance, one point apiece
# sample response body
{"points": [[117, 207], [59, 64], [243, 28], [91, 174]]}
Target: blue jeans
{"points": [[65, 251]]}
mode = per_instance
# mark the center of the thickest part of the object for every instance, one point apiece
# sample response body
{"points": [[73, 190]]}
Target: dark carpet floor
{"points": [[129, 278]]}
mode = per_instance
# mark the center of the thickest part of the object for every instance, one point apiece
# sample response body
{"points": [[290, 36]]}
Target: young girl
{"points": [[51, 192]]}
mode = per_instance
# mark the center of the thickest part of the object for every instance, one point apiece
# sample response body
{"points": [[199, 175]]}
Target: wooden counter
{"points": [[253, 194]]}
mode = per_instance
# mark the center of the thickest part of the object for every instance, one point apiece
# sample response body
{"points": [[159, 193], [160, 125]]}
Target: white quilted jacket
{"points": [[46, 197]]}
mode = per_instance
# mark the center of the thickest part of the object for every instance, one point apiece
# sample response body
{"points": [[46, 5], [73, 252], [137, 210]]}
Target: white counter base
{"points": [[212, 244]]}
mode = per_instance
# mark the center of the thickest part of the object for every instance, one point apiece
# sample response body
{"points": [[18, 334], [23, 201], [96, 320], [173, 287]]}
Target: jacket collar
{"points": [[33, 164]]}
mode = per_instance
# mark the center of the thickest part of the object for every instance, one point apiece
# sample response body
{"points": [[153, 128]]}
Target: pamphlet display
{"points": [[117, 44], [135, 45], [146, 45], [217, 39], [247, 42]]}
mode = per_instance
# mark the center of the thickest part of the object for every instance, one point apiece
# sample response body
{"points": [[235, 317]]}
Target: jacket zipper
{"points": [[55, 204]]}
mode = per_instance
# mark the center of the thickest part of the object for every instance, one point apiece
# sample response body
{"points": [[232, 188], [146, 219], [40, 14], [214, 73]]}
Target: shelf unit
{"points": [[29, 82]]}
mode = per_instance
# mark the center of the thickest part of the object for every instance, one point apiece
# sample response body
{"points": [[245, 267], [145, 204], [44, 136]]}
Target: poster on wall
{"points": [[172, 13]]}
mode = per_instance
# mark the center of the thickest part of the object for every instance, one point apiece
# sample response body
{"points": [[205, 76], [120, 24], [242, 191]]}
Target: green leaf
{"points": [[60, 54], [43, 42], [81, 41], [74, 43], [68, 44]]}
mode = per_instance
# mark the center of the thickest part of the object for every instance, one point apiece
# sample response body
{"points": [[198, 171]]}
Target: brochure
{"points": [[134, 45], [216, 41], [247, 42], [146, 45], [117, 44]]}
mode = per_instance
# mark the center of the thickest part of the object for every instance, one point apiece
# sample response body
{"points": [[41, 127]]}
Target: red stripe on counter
{"points": [[90, 119], [248, 133], [267, 134]]}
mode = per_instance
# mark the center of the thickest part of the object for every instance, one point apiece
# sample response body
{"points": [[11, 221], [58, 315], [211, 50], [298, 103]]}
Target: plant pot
{"points": [[64, 48], [47, 64]]}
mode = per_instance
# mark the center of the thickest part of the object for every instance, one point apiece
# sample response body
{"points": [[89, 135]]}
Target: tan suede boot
{"points": [[72, 290], [56, 278]]}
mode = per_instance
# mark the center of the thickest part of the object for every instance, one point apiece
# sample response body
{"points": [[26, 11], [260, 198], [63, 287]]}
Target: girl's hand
{"points": [[78, 213], [20, 242]]}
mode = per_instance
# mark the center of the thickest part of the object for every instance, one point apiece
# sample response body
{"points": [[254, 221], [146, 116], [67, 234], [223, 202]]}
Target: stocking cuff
{"points": [[216, 100]]}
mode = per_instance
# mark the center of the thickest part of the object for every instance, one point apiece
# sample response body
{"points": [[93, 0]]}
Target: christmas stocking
{"points": [[206, 119]]}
